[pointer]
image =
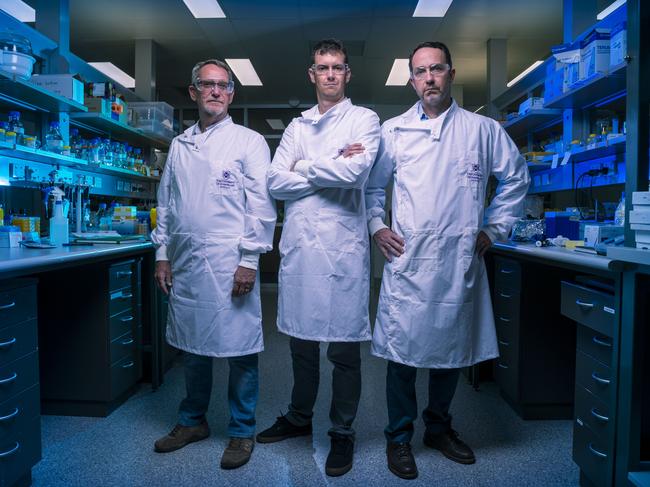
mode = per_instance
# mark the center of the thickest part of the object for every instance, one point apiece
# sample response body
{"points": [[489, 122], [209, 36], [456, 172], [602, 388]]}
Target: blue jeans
{"points": [[402, 403], [243, 390]]}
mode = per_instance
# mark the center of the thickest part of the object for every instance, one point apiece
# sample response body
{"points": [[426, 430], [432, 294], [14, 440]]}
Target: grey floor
{"points": [[118, 450]]}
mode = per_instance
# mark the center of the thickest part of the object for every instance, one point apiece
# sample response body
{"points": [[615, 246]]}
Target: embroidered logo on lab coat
{"points": [[474, 172], [227, 181]]}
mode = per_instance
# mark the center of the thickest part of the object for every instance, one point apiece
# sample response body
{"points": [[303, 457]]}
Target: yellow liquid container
{"points": [[2, 216], [152, 217]]}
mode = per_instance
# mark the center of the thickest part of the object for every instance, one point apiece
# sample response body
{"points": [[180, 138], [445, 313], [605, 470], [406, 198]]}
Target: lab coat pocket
{"points": [[340, 233], [468, 249], [422, 253], [225, 178], [219, 260]]}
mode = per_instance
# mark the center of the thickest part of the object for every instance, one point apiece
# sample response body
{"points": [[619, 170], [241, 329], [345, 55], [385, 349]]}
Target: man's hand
{"points": [[352, 150], [483, 243], [163, 275], [244, 281], [389, 243]]}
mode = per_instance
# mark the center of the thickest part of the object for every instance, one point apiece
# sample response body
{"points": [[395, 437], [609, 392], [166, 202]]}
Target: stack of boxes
{"points": [[640, 218], [594, 53], [618, 45]]}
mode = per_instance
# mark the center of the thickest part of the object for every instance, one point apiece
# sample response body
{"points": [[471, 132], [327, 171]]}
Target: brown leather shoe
{"points": [[451, 446], [181, 436], [237, 453]]}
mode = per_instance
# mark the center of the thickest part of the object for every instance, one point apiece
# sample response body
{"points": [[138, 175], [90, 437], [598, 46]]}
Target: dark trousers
{"points": [[402, 403], [346, 383]]}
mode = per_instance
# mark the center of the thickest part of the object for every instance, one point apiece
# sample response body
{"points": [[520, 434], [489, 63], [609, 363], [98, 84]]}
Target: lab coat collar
{"points": [[411, 119], [194, 131], [312, 115]]}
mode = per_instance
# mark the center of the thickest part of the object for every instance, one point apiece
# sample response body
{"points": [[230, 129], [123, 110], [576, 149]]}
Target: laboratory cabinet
{"points": [[593, 306], [91, 337], [536, 363], [20, 427]]}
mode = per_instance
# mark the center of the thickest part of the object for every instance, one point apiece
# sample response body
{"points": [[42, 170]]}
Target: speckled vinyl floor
{"points": [[118, 450]]}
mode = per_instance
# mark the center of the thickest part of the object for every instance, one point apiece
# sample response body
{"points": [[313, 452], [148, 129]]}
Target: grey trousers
{"points": [[346, 383]]}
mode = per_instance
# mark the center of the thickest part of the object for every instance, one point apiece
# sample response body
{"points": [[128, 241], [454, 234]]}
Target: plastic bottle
{"points": [[619, 214], [76, 143], [85, 215], [103, 220], [108, 153], [92, 152], [58, 223], [15, 125], [53, 139]]}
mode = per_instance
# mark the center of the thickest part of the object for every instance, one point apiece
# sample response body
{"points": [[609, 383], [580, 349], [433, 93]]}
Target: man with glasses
{"points": [[434, 307], [215, 217], [320, 171]]}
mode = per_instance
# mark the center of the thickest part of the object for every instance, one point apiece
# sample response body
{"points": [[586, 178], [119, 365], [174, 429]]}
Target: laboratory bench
{"points": [[571, 348], [79, 328]]}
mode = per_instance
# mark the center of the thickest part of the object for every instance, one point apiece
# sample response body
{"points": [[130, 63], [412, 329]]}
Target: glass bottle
{"points": [[15, 125], [53, 139]]}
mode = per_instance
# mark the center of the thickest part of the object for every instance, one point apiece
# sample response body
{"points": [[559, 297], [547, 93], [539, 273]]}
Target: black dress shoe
{"points": [[281, 430], [451, 446], [401, 461], [339, 460]]}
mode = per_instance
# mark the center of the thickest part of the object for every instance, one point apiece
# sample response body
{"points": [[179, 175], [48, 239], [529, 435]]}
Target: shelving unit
{"points": [[532, 121], [18, 93], [100, 122]]}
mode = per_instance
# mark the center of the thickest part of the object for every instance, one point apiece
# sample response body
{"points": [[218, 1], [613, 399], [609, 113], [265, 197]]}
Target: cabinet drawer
{"points": [[19, 411], [507, 275], [506, 375], [121, 275], [589, 307], [20, 453], [594, 413], [17, 376], [506, 307], [595, 377], [595, 345], [17, 304], [592, 454], [17, 340], [122, 346], [122, 323], [123, 376], [120, 300]]}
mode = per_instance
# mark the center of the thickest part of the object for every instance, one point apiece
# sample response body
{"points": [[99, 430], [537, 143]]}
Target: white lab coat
{"points": [[214, 213], [434, 305], [324, 271]]}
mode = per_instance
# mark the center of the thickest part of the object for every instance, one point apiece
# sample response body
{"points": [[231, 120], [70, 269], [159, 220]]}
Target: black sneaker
{"points": [[451, 446], [401, 461], [281, 430], [339, 460]]}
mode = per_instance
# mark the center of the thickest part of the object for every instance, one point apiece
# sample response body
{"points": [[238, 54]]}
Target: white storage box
{"points": [[156, 111], [61, 84], [640, 216], [10, 239], [156, 129], [618, 44], [594, 53], [641, 198]]}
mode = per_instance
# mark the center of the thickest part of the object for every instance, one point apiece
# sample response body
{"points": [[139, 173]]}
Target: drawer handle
{"points": [[8, 380], [8, 344], [507, 296], [128, 341], [126, 296], [583, 304], [602, 343], [595, 414], [599, 454], [504, 319], [124, 273], [10, 452], [503, 366], [129, 365], [124, 319], [595, 377], [505, 344], [7, 306], [9, 416], [506, 271]]}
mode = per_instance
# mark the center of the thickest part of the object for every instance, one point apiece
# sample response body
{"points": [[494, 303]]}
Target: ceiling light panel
{"points": [[610, 9], [244, 71], [205, 9], [276, 123], [399, 73], [523, 73], [115, 73], [431, 8], [19, 10]]}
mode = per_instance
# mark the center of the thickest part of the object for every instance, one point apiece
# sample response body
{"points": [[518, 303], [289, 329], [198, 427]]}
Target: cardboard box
{"points": [[61, 84], [532, 103], [594, 53], [618, 44], [99, 105]]}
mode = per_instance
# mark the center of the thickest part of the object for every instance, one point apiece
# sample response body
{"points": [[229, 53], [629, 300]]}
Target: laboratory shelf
{"points": [[104, 169], [38, 155], [595, 90], [117, 130], [612, 147], [16, 93], [523, 87], [538, 166], [532, 121]]}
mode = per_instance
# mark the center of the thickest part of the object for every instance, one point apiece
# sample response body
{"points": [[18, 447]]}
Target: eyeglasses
{"points": [[209, 85], [324, 70], [435, 69]]}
